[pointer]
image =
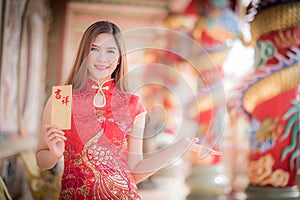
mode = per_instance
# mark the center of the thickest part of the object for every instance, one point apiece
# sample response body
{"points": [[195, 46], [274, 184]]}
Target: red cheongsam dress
{"points": [[95, 154]]}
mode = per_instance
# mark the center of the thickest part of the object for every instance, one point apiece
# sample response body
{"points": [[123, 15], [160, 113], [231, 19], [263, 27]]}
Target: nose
{"points": [[102, 56]]}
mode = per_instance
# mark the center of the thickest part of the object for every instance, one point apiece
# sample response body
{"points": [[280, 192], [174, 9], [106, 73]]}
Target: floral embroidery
{"points": [[100, 115], [74, 176]]}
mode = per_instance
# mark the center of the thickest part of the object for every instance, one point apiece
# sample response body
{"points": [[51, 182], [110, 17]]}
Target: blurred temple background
{"points": [[224, 71]]}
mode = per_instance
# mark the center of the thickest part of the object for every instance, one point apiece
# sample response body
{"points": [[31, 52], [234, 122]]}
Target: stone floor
{"points": [[164, 188], [167, 184], [170, 184], [173, 187]]}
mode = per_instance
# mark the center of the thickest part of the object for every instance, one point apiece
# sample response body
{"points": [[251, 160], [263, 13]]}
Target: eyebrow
{"points": [[93, 45]]}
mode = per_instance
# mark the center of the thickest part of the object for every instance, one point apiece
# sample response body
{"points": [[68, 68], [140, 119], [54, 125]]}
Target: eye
{"points": [[111, 51], [94, 49]]}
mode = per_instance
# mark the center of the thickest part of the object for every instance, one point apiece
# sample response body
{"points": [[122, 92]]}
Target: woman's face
{"points": [[103, 57]]}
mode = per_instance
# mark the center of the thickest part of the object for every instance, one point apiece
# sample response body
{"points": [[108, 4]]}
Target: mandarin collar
{"points": [[104, 86]]}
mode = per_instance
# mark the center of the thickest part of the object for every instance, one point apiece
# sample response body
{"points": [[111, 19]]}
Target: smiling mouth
{"points": [[101, 67]]}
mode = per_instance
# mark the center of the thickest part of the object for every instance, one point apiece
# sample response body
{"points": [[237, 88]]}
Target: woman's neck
{"points": [[100, 81]]}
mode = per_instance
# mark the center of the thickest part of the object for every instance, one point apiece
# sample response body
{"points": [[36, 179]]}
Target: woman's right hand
{"points": [[55, 140]]}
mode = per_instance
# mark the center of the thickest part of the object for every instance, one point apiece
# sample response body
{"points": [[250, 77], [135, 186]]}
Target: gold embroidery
{"points": [[100, 115], [111, 120], [111, 179], [70, 192]]}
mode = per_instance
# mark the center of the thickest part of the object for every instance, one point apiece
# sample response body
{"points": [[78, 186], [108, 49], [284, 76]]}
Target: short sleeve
{"points": [[139, 107], [136, 106]]}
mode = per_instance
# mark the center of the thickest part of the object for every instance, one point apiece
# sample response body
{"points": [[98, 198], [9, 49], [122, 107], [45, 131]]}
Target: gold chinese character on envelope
{"points": [[61, 106]]}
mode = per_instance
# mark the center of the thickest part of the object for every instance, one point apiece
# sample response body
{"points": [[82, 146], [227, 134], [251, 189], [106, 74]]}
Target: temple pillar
{"points": [[270, 98], [215, 29]]}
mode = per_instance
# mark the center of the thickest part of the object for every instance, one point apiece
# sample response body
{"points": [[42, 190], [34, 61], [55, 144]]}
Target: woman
{"points": [[103, 149]]}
